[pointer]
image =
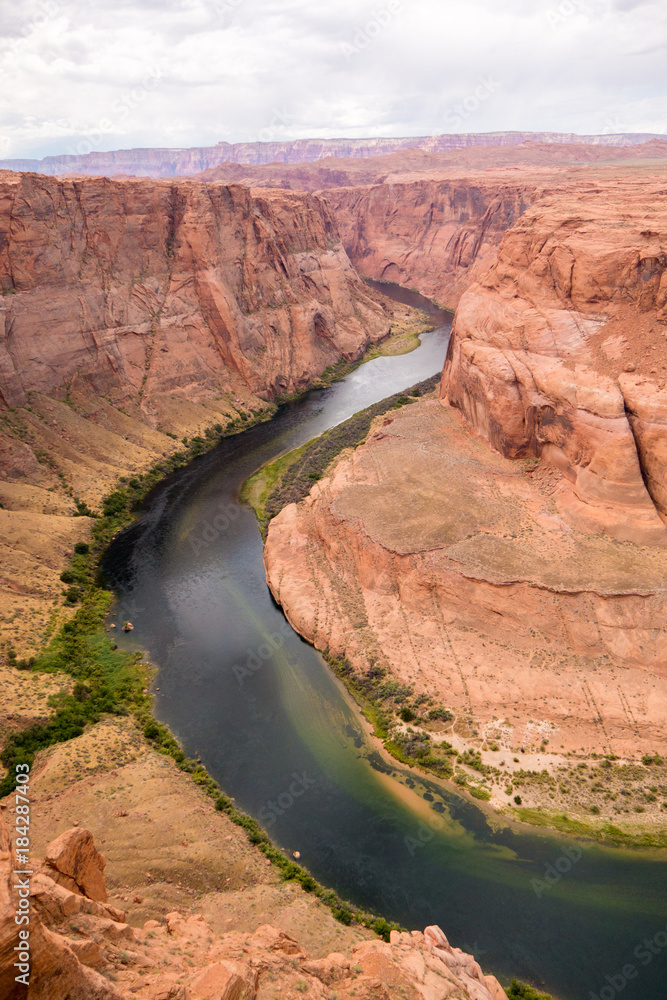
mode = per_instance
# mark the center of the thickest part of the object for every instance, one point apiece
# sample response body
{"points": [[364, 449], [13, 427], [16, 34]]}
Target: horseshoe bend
{"points": [[480, 556], [505, 544]]}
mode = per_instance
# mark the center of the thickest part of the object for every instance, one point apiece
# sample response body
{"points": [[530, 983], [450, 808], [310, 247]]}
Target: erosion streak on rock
{"points": [[138, 289], [559, 352]]}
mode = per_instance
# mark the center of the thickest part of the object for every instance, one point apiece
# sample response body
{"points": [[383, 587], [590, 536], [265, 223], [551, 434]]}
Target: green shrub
{"points": [[407, 715], [114, 504], [73, 595], [522, 991], [82, 548], [82, 509], [440, 714]]}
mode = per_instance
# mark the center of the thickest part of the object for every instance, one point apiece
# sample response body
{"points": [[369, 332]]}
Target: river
{"points": [[275, 728]]}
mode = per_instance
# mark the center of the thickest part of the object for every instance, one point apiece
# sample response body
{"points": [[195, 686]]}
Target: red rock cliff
{"points": [[559, 351], [141, 288], [436, 235]]}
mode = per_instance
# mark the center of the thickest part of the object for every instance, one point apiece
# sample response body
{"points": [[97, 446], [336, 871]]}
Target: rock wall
{"points": [[512, 561], [138, 313], [141, 288], [559, 351], [435, 235]]}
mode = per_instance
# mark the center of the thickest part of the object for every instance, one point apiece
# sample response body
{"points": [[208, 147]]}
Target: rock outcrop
{"points": [[179, 162], [55, 970], [72, 860], [84, 950], [457, 571], [559, 352]]}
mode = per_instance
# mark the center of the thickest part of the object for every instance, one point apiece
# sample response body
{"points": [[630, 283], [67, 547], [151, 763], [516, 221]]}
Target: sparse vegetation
{"points": [[291, 477], [111, 682], [522, 991]]}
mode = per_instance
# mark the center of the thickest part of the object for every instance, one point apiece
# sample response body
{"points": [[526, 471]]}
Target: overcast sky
{"points": [[83, 74]]}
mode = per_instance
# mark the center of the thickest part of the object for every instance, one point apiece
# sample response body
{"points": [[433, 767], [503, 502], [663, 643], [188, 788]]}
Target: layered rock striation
{"points": [[142, 288], [179, 162], [560, 352]]}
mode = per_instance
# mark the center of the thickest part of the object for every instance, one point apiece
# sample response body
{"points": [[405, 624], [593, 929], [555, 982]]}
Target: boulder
{"points": [[73, 861], [224, 981]]}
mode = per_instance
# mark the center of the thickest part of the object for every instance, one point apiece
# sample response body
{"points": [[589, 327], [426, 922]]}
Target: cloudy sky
{"points": [[84, 74]]}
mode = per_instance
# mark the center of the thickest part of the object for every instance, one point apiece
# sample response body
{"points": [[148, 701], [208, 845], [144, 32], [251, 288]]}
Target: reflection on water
{"points": [[275, 728]]}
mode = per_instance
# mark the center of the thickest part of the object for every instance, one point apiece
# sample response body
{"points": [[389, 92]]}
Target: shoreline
{"points": [[478, 772], [130, 675], [116, 683]]}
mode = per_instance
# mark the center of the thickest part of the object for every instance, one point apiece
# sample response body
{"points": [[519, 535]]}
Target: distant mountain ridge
{"points": [[168, 162]]}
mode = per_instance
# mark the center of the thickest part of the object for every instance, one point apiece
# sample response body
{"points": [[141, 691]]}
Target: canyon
{"points": [[499, 546], [100, 929], [136, 313]]}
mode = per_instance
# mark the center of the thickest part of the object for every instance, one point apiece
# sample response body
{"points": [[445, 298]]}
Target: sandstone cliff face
{"points": [[137, 313], [436, 235], [559, 352], [179, 162], [517, 571], [138, 289]]}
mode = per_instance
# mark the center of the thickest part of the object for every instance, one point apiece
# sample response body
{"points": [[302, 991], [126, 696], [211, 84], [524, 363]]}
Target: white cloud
{"points": [[80, 73]]}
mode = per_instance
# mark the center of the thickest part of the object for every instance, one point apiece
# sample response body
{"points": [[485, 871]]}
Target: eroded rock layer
{"points": [[144, 288], [560, 352]]}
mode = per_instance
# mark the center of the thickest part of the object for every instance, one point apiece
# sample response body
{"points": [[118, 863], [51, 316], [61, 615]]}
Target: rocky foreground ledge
{"points": [[83, 949]]}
